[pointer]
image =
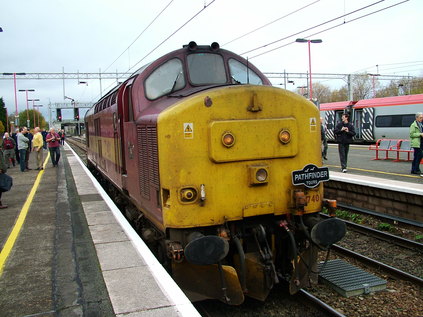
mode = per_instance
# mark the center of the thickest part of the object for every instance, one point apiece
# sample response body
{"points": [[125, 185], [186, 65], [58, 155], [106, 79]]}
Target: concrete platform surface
{"points": [[67, 251]]}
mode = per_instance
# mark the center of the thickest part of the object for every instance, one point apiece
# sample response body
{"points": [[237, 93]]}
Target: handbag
{"points": [[6, 182]]}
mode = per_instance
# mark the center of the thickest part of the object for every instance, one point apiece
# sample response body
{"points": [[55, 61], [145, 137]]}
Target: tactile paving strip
{"points": [[349, 280]]}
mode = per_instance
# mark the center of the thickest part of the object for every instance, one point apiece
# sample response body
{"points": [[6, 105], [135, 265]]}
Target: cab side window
{"points": [[240, 74], [167, 78]]}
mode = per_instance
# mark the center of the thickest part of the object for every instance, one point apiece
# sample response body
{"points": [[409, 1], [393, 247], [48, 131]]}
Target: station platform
{"points": [[66, 250], [361, 162], [382, 187]]}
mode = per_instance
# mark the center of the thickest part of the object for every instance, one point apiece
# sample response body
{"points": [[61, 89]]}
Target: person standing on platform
{"points": [[53, 140], [9, 146], [15, 137], [324, 139], [44, 134], [37, 147], [3, 170], [416, 135], [29, 135], [62, 137], [22, 147], [344, 133]]}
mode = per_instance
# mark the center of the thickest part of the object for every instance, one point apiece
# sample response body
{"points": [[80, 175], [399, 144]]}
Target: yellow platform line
{"points": [[13, 236], [379, 172]]}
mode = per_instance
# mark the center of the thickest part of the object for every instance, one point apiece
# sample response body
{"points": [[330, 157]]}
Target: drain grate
{"points": [[349, 280]]}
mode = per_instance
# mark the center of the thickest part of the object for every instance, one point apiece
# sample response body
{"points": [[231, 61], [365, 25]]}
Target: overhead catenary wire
{"points": [[325, 30], [164, 41], [267, 24], [136, 39], [313, 27], [405, 64], [173, 33]]}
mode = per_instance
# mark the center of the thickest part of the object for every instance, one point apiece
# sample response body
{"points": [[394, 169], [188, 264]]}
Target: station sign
{"points": [[310, 176]]}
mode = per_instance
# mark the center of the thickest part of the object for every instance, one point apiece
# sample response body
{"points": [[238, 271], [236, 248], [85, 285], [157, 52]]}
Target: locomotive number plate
{"points": [[313, 199]]}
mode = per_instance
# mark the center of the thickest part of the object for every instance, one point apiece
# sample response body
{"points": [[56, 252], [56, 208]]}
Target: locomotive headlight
{"points": [[261, 175], [258, 174], [285, 136], [228, 139]]}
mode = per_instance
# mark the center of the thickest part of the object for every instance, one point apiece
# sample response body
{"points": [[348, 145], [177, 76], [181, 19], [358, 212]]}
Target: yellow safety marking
{"points": [[372, 171], [21, 219]]}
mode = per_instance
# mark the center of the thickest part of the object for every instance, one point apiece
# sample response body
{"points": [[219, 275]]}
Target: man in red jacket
{"points": [[53, 141]]}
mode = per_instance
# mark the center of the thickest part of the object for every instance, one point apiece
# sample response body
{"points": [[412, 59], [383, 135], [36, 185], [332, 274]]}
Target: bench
{"points": [[404, 147], [385, 145], [392, 145]]}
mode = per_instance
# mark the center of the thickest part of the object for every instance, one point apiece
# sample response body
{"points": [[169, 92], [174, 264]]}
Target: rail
{"points": [[376, 264]]}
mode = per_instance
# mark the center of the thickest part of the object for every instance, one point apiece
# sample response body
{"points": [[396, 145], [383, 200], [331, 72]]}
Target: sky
{"points": [[52, 36]]}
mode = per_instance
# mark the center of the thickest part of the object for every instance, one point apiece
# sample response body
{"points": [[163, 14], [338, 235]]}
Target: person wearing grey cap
{"points": [[416, 134]]}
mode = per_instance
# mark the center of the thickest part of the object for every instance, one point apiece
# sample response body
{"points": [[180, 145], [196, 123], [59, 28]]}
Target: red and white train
{"points": [[373, 119]]}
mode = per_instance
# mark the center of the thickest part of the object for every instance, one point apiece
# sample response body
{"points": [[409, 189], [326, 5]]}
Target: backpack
{"points": [[8, 144]]}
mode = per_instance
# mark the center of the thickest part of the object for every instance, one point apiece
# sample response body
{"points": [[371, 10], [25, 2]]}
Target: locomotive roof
{"points": [[245, 74]]}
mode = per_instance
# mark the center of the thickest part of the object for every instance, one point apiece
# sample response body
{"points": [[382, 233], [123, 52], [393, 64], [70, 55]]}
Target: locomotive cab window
{"points": [[206, 69], [167, 78], [240, 74]]}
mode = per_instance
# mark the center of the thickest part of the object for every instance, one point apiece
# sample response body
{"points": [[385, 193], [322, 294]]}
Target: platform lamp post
{"points": [[38, 115], [16, 94], [309, 59], [27, 106], [7, 121], [33, 110]]}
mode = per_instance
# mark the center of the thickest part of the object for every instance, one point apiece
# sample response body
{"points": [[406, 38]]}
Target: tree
{"points": [[24, 116], [321, 92], [364, 86], [404, 86], [339, 95]]}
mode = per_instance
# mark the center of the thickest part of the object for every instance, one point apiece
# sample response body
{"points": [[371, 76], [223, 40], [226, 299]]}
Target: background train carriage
{"points": [[373, 119]]}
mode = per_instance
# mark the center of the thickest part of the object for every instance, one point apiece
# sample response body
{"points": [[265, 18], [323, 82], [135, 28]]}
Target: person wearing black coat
{"points": [[344, 133], [3, 170]]}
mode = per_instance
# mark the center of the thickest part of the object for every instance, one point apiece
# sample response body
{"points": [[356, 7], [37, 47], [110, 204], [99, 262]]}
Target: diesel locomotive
{"points": [[220, 172]]}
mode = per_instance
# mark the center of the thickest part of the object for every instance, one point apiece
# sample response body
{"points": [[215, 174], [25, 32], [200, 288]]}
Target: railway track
{"points": [[385, 236], [395, 272], [382, 217], [391, 239]]}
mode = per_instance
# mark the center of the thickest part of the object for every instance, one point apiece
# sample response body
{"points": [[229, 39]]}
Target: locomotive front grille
{"points": [[148, 159]]}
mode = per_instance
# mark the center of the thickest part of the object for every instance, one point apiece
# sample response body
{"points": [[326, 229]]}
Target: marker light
{"points": [[284, 136], [228, 139], [188, 194]]}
